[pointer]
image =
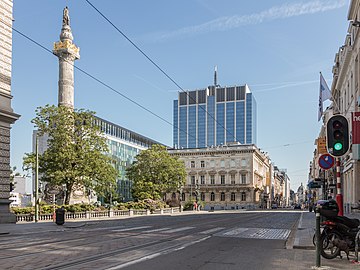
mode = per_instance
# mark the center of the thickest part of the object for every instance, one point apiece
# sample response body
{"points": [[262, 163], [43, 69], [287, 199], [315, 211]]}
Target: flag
{"points": [[324, 94]]}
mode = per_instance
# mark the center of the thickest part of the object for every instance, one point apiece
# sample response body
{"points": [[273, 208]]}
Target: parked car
{"points": [[297, 206], [274, 206]]}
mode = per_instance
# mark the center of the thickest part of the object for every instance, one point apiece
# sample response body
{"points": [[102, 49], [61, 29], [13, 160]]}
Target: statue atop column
{"points": [[66, 18]]}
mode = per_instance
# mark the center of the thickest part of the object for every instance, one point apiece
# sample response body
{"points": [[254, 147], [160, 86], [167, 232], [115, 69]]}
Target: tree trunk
{"points": [[68, 193]]}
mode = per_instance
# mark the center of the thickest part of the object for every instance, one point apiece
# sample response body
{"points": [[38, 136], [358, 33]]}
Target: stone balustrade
{"points": [[96, 214]]}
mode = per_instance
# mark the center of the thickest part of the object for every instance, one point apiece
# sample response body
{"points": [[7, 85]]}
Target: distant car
{"points": [[297, 206], [274, 206]]}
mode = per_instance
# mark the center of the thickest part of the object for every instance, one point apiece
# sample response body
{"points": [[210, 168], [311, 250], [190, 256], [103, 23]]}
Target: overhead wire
{"points": [[98, 80], [157, 66]]}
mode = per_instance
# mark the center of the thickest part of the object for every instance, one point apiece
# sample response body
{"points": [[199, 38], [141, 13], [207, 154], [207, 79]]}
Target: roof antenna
{"points": [[215, 77]]}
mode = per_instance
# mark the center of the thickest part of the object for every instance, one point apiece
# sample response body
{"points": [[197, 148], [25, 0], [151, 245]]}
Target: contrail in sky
{"points": [[231, 22]]}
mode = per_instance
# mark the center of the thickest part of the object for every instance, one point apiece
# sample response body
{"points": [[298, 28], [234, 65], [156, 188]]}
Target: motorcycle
{"points": [[338, 232]]}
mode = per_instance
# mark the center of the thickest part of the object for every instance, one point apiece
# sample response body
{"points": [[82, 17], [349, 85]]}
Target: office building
{"points": [[214, 116]]}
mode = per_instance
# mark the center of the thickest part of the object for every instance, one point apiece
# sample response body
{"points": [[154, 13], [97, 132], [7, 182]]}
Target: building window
{"points": [[243, 179], [183, 196], [202, 196], [243, 162], [212, 196], [202, 164], [232, 163], [243, 196], [212, 179], [222, 197], [202, 179], [212, 163], [192, 164], [193, 179], [233, 196], [233, 179], [222, 178], [222, 163]]}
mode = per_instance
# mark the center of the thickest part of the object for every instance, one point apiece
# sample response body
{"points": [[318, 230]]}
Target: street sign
{"points": [[321, 145], [326, 161]]}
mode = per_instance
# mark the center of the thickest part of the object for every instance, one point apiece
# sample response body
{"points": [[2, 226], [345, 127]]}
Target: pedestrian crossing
{"points": [[238, 232]]}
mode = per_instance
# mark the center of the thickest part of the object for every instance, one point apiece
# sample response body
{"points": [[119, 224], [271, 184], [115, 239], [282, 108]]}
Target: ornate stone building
{"points": [[225, 177], [7, 115]]}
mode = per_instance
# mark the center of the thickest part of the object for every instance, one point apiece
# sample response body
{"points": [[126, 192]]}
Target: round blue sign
{"points": [[326, 161]]}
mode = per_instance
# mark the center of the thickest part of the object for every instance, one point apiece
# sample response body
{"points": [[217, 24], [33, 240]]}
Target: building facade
{"points": [[214, 116], [124, 145], [346, 101], [225, 177], [7, 115]]}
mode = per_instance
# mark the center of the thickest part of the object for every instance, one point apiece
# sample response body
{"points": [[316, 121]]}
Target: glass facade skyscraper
{"points": [[124, 145], [214, 116]]}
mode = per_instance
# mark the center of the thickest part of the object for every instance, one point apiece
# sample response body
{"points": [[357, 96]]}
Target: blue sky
{"points": [[277, 47]]}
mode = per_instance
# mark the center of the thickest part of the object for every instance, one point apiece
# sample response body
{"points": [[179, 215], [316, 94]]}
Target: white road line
{"points": [[131, 229], [151, 256], [212, 230], [178, 229], [156, 230]]}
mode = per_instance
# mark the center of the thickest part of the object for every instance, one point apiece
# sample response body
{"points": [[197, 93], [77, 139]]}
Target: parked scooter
{"points": [[338, 232]]}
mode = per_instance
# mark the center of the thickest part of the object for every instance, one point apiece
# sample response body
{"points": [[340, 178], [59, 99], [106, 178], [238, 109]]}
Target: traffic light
{"points": [[337, 130]]}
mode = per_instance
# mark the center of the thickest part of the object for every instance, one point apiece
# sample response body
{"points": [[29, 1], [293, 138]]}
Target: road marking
{"points": [[154, 255], [131, 229], [257, 233], [157, 230], [212, 230], [178, 229]]}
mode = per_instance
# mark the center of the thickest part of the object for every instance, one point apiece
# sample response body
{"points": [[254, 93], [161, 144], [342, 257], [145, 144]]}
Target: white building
{"points": [[226, 177]]}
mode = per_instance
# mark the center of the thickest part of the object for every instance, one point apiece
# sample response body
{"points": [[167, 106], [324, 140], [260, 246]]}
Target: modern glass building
{"points": [[214, 116], [123, 145]]}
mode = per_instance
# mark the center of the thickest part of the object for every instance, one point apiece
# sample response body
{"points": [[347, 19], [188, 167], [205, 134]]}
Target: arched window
{"points": [[243, 196], [222, 198], [202, 196], [212, 196], [233, 196]]}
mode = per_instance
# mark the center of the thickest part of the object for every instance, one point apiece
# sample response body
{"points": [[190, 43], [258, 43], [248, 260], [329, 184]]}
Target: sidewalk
{"points": [[304, 240]]}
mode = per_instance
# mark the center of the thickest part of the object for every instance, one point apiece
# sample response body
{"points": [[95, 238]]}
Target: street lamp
{"points": [[36, 179]]}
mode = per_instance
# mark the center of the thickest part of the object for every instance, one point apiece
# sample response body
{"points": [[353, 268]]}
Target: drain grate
{"points": [[256, 233]]}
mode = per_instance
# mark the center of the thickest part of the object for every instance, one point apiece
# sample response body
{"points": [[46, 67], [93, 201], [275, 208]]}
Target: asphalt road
{"points": [[226, 240]]}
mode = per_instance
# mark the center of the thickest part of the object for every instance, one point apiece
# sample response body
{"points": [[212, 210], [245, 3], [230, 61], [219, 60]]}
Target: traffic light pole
{"points": [[339, 197]]}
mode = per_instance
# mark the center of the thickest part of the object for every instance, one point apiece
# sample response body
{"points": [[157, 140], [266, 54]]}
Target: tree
{"points": [[76, 153], [155, 172]]}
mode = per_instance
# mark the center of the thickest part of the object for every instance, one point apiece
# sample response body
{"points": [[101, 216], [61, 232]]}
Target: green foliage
{"points": [[143, 204], [22, 210], [155, 172], [76, 150], [80, 207]]}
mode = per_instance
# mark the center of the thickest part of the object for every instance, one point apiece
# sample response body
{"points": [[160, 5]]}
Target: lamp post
{"points": [[36, 179]]}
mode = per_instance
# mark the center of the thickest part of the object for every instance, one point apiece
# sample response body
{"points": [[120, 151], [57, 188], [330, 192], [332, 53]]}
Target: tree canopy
{"points": [[155, 172], [76, 153]]}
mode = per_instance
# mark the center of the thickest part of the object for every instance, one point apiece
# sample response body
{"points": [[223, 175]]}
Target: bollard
{"points": [[317, 235]]}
